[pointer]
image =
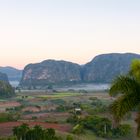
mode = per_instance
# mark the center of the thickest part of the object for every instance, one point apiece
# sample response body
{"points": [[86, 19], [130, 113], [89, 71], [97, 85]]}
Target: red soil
{"points": [[6, 128], [9, 104], [45, 115]]}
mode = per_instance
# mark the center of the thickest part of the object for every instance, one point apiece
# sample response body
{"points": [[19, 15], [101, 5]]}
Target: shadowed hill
{"points": [[12, 73]]}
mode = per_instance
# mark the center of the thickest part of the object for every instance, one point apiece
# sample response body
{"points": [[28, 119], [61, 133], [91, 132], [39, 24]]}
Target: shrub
{"points": [[100, 126], [122, 130], [74, 119], [5, 117], [69, 137], [78, 129]]}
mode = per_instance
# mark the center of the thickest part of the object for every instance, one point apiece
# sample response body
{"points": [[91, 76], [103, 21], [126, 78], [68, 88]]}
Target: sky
{"points": [[73, 30]]}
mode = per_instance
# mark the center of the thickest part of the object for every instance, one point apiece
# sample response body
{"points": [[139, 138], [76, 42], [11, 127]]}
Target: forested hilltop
{"points": [[102, 69]]}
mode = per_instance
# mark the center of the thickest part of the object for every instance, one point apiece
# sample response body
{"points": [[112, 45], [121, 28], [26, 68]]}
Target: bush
{"points": [[69, 137], [78, 129], [24, 132], [100, 126], [74, 119], [5, 117], [8, 138], [122, 130]]}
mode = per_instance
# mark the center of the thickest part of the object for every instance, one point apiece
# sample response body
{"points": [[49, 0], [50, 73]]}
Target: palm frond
{"points": [[123, 105], [135, 69], [124, 85]]}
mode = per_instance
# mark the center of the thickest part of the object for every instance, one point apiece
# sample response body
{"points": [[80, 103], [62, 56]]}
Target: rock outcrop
{"points": [[6, 90], [105, 67], [50, 71]]}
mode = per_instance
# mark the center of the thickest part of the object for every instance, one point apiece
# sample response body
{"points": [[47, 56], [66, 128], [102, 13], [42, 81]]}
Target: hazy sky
{"points": [[72, 30]]}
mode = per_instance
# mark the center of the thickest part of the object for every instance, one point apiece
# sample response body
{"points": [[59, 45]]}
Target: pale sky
{"points": [[73, 30]]}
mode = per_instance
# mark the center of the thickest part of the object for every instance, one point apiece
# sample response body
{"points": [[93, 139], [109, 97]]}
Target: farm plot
{"points": [[6, 128], [59, 95]]}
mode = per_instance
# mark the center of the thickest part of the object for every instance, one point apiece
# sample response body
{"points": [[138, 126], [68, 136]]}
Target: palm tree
{"points": [[24, 129], [127, 87], [16, 132], [38, 132]]}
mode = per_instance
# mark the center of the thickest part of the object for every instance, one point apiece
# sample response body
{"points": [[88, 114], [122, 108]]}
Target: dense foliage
{"points": [[5, 117], [128, 89], [24, 132], [102, 127]]}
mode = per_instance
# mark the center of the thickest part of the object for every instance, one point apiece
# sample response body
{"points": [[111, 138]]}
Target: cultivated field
{"points": [[52, 110]]}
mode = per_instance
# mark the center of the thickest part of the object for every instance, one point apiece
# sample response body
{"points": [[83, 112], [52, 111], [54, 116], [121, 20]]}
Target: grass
{"points": [[87, 135], [59, 95], [3, 100], [21, 97]]}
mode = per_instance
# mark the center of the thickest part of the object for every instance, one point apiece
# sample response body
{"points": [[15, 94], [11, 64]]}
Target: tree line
{"points": [[24, 132]]}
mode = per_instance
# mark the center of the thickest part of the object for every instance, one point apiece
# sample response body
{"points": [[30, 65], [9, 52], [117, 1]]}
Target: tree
{"points": [[128, 89], [24, 132], [51, 133], [38, 132], [21, 131], [99, 125], [16, 132], [24, 129]]}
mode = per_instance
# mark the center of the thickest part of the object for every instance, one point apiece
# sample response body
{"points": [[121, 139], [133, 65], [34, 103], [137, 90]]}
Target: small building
{"points": [[77, 110]]}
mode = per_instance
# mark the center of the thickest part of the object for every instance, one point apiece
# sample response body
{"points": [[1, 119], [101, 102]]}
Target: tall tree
{"points": [[24, 129], [127, 88], [21, 131]]}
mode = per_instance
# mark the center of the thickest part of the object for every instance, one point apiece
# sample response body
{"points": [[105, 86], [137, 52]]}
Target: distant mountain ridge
{"points": [[102, 69], [12, 73]]}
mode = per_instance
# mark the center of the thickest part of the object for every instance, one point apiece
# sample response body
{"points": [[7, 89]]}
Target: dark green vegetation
{"points": [[24, 132], [9, 138], [128, 89], [102, 127], [102, 69], [6, 90], [7, 117]]}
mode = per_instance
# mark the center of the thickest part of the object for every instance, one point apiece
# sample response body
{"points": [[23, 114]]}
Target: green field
{"points": [[59, 95]]}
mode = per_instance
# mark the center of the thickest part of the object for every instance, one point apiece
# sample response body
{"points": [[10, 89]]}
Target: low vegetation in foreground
{"points": [[74, 117]]}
